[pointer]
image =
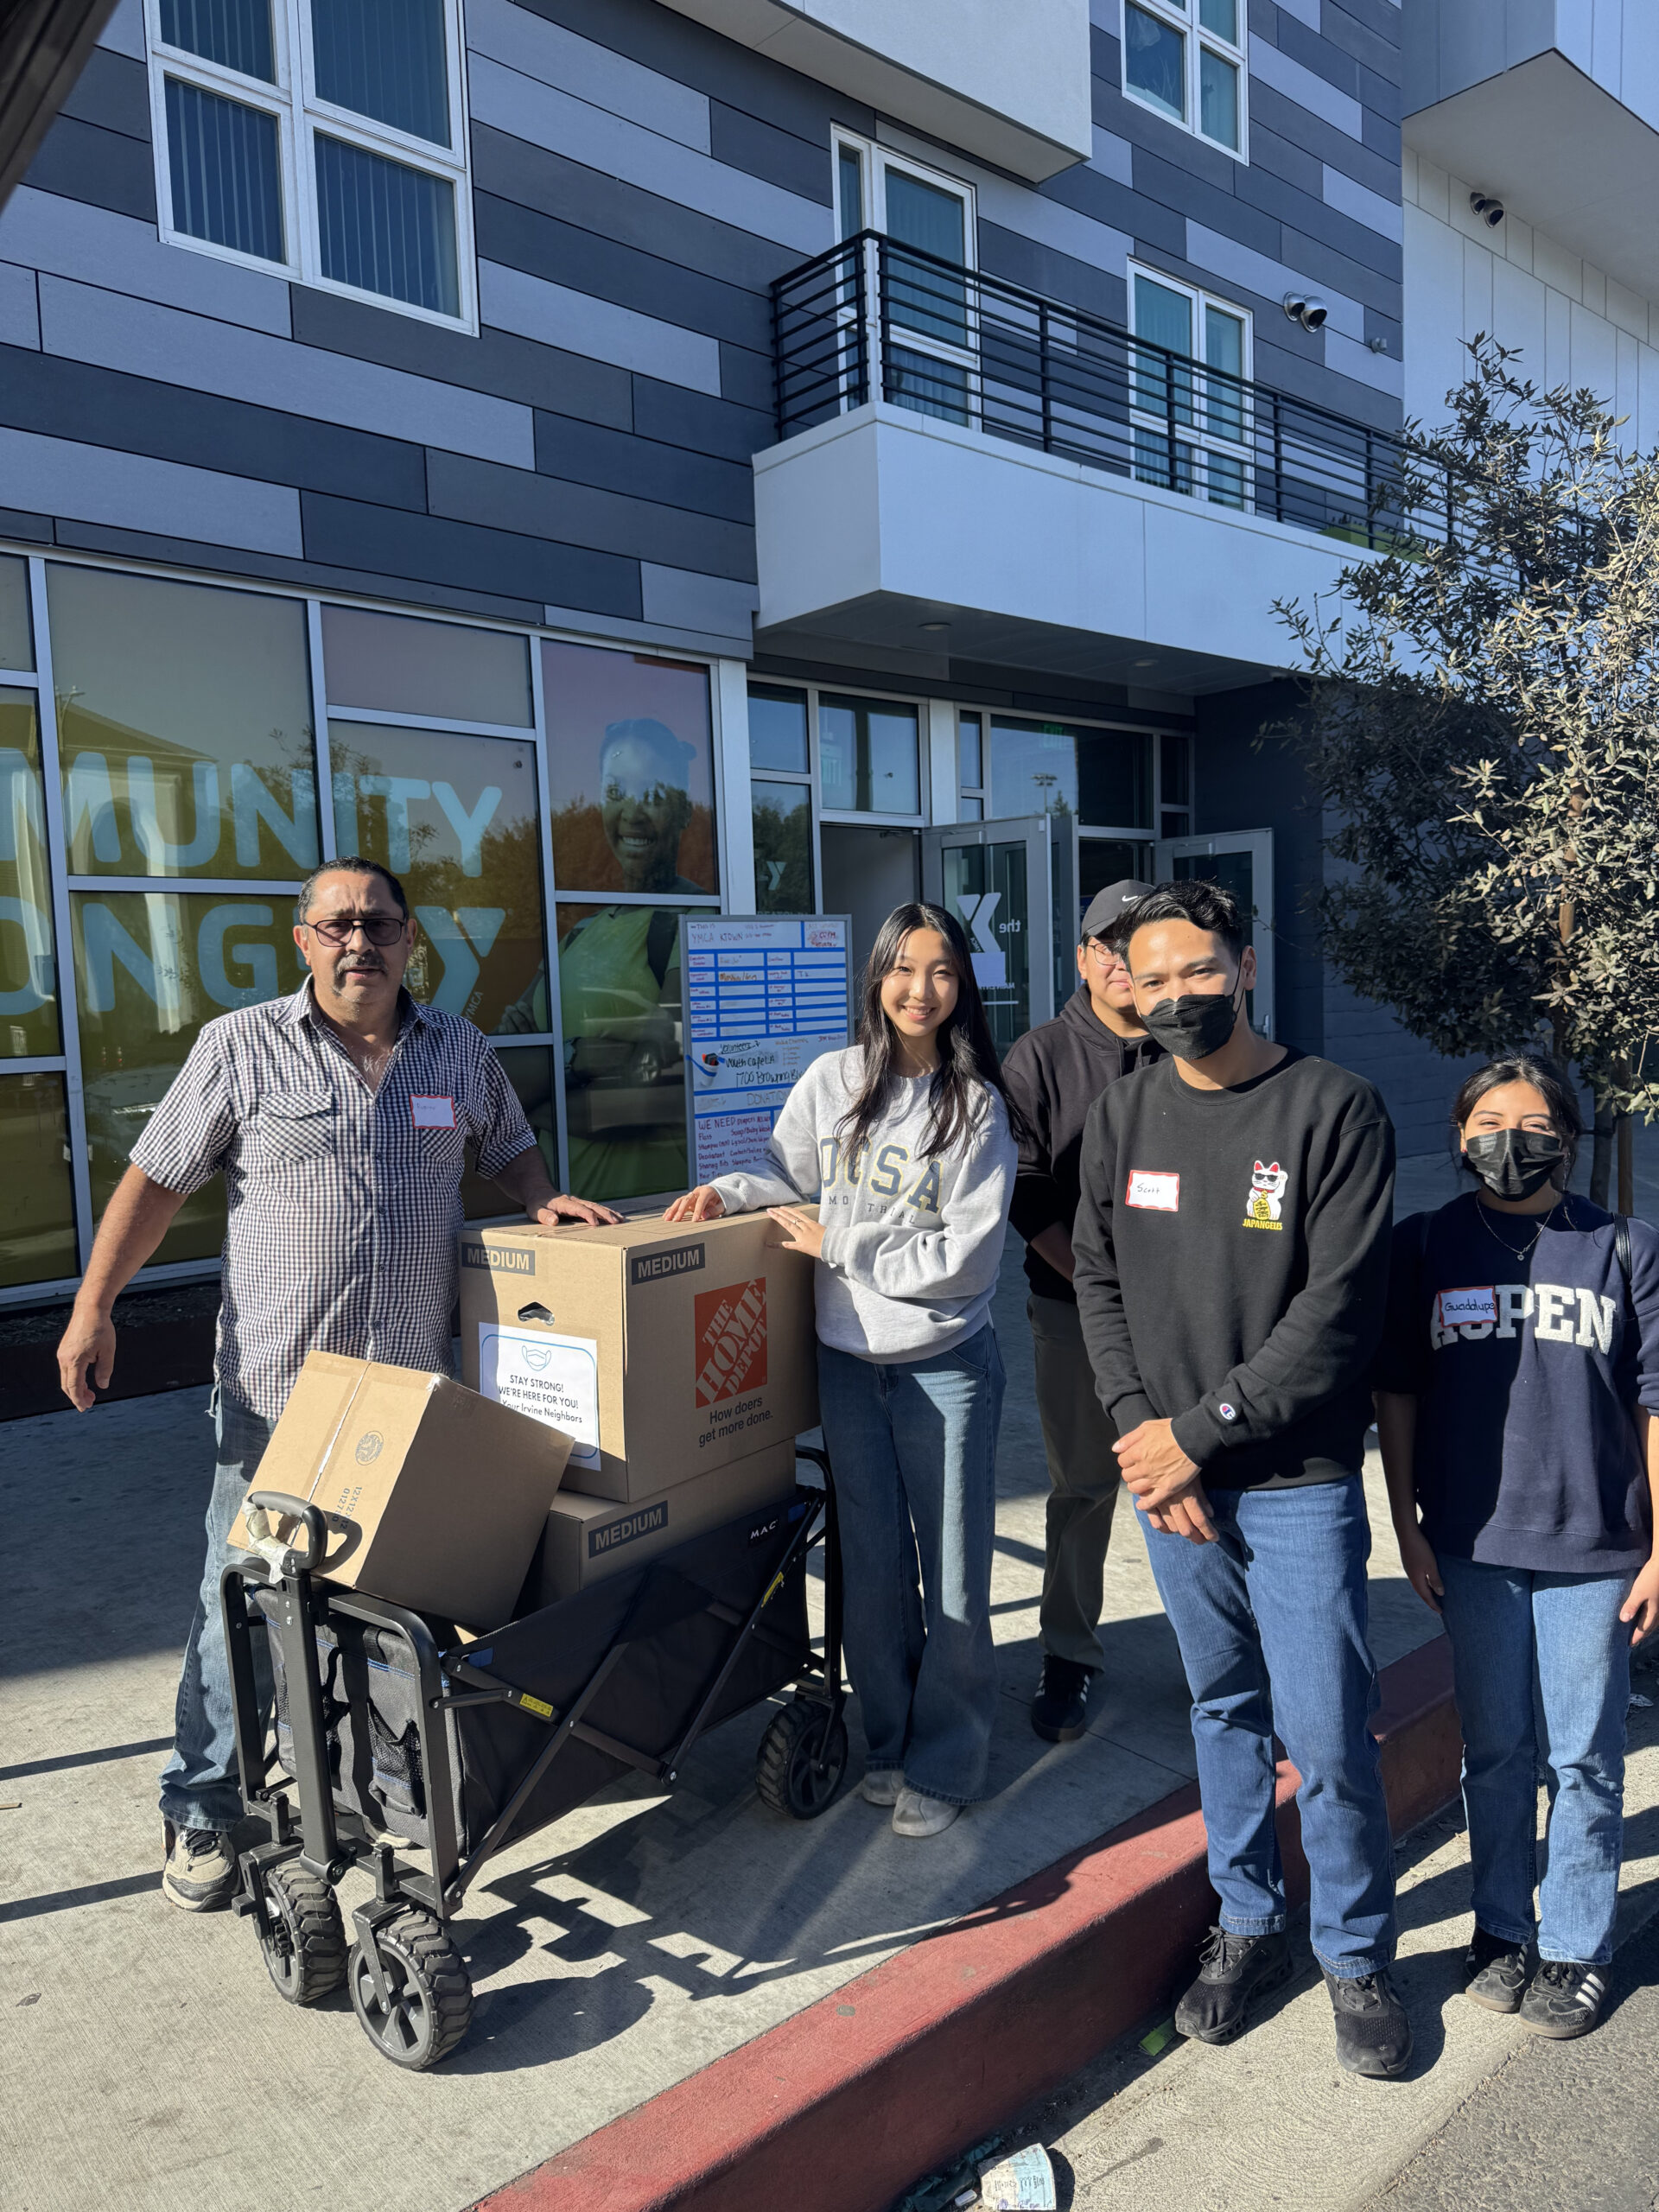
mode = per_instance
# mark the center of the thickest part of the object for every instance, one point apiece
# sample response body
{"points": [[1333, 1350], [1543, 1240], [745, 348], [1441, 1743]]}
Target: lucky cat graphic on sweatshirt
{"points": [[1266, 1208]]}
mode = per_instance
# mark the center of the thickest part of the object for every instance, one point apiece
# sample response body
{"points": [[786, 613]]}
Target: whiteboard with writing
{"points": [[764, 995]]}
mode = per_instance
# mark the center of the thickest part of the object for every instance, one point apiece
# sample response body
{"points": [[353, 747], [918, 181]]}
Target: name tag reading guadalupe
{"points": [[428, 1112], [1461, 1308], [1159, 1191]]}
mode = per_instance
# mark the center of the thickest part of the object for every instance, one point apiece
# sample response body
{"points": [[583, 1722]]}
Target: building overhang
{"points": [[876, 528], [1561, 153], [1010, 84]]}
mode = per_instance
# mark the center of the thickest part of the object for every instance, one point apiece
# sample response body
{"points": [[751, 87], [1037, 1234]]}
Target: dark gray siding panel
{"points": [[613, 460], [1364, 163], [71, 399], [578, 515], [677, 416], [1166, 185], [1272, 155], [599, 267], [745, 143], [113, 93], [1316, 52], [745, 377], [33, 530], [103, 168], [498, 361], [381, 540], [1373, 48], [1058, 276]]}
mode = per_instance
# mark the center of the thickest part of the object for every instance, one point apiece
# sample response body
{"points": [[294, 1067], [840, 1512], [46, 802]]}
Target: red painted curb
{"points": [[839, 2108]]}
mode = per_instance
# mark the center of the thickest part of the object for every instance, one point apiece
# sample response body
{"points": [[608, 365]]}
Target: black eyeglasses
{"points": [[379, 929]]}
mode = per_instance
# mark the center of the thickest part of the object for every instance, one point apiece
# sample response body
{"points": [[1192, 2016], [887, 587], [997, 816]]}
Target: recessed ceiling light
{"points": [[1145, 664], [936, 626]]}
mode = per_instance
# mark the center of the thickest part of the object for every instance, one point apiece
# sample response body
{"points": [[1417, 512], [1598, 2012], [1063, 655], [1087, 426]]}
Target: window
{"points": [[781, 793], [970, 767], [320, 139], [931, 370], [1184, 59], [868, 756], [1192, 428]]}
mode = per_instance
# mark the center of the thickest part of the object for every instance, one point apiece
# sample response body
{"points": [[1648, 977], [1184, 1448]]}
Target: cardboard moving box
{"points": [[435, 1498], [665, 1350], [587, 1538]]}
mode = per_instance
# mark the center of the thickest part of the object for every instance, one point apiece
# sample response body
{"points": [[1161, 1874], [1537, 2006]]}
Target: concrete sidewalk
{"points": [[614, 1955]]}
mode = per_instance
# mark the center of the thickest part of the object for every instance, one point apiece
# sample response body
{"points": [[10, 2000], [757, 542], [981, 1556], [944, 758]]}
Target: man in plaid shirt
{"points": [[340, 1118]]}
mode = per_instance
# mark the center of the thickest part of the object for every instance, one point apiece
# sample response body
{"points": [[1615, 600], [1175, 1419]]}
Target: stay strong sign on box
{"points": [[663, 1350]]}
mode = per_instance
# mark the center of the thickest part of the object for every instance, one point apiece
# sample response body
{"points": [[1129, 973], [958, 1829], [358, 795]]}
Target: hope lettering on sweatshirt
{"points": [[881, 1172], [1560, 1313]]}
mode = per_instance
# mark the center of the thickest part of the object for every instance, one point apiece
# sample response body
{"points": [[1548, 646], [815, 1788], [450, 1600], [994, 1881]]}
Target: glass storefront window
{"points": [[16, 640], [1033, 768], [777, 729], [150, 968], [868, 756], [1174, 769], [1116, 778], [630, 761], [783, 849], [1103, 861], [184, 720], [623, 1068], [29, 984], [530, 1071], [404, 666], [455, 819], [37, 1206]]}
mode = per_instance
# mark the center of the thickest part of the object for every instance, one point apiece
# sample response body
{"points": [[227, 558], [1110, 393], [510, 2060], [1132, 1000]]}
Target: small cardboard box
{"points": [[435, 1498], [664, 1349], [587, 1538]]}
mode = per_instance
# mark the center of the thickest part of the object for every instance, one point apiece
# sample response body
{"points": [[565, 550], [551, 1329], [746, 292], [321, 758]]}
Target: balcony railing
{"points": [[872, 319]]}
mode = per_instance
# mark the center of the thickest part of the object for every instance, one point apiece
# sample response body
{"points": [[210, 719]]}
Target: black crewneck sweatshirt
{"points": [[1232, 1255]]}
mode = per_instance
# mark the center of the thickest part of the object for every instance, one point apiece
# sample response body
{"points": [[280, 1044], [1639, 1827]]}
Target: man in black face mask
{"points": [[1232, 1244]]}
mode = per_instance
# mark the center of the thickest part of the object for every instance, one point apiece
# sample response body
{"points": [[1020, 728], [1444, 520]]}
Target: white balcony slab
{"points": [[1011, 84], [870, 526]]}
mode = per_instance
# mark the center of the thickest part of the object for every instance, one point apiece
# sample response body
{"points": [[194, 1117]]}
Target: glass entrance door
{"points": [[1004, 882], [1241, 861]]}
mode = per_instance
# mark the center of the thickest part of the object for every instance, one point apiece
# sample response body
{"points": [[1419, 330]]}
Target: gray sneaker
{"points": [[201, 1874]]}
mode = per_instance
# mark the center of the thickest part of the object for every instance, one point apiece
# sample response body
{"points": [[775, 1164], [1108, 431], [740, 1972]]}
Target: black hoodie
{"points": [[1054, 1074]]}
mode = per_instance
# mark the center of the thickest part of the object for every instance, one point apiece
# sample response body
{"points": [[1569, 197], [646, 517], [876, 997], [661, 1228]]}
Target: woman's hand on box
{"points": [[704, 1204], [802, 1233]]}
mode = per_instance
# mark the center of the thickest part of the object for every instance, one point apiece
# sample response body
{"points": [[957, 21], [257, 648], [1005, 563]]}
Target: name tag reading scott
{"points": [[429, 1113], [1462, 1306], [1161, 1192]]}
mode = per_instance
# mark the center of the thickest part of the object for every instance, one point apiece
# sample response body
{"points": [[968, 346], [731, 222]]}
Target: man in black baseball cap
{"points": [[1054, 1074]]}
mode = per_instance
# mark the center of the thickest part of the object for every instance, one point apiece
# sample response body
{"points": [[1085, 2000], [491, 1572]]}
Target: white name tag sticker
{"points": [[428, 1112], [1458, 1308], [1160, 1191]]}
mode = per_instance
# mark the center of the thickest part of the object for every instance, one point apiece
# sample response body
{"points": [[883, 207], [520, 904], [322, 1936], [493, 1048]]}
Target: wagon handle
{"points": [[266, 1507]]}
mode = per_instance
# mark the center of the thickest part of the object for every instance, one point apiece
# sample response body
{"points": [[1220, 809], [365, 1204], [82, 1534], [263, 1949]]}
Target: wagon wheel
{"points": [[801, 1760], [301, 1935], [429, 2006]]}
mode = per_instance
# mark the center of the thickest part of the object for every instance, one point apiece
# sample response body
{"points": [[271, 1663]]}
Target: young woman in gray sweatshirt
{"points": [[904, 1144]]}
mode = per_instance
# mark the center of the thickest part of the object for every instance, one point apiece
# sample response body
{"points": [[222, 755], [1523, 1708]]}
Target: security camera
{"points": [[1312, 315], [1489, 211]]}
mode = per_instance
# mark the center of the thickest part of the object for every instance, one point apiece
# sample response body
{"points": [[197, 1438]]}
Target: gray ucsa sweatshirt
{"points": [[911, 1245]]}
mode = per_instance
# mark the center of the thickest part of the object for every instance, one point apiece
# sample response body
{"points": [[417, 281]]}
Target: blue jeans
{"points": [[200, 1784], [1271, 1619], [1503, 1621], [913, 1446]]}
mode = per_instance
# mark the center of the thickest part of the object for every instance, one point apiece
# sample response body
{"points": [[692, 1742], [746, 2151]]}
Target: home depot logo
{"points": [[731, 1341]]}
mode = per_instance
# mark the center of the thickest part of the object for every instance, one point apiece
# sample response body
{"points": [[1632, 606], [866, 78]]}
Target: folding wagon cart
{"points": [[396, 1734]]}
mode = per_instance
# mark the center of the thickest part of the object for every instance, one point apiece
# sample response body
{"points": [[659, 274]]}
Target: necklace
{"points": [[1485, 1213]]}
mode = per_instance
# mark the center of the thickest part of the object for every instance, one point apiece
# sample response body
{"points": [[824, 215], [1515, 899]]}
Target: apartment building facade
{"points": [[614, 459]]}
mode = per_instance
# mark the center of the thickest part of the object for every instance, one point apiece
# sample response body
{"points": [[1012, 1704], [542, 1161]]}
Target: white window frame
{"points": [[1193, 435], [876, 162], [301, 116], [1184, 18]]}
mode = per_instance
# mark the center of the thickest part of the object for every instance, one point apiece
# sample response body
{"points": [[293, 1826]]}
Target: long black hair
{"points": [[1546, 1079], [966, 1055]]}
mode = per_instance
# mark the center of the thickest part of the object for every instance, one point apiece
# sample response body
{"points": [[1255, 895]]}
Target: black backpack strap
{"points": [[1622, 1247], [661, 940]]}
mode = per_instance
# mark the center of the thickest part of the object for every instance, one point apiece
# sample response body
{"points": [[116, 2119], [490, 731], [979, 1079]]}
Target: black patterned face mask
{"points": [[1195, 1025], [1515, 1163]]}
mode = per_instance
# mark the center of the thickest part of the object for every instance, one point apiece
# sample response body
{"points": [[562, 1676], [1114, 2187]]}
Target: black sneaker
{"points": [[1234, 1971], [201, 1874], [1373, 2033], [1495, 1972], [1564, 2000], [1060, 1710]]}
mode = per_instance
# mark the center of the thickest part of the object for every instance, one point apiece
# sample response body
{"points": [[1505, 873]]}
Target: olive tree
{"points": [[1481, 721]]}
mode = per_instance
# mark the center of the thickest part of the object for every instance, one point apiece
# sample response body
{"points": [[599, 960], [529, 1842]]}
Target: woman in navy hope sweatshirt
{"points": [[1516, 1386]]}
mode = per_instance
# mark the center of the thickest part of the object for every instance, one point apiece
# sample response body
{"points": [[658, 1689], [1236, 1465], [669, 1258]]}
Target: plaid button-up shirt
{"points": [[344, 1210]]}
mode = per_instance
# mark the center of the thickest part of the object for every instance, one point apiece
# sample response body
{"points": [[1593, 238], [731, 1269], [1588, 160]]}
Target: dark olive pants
{"points": [[1082, 1479]]}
